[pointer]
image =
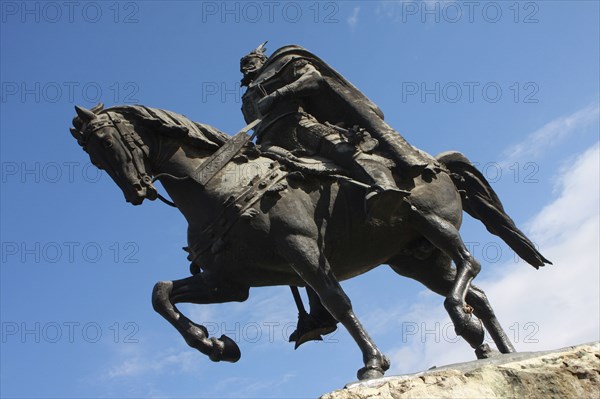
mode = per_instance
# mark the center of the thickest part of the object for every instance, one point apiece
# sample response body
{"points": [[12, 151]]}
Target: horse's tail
{"points": [[481, 202]]}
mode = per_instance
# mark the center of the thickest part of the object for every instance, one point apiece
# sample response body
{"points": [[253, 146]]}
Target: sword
{"points": [[217, 161]]}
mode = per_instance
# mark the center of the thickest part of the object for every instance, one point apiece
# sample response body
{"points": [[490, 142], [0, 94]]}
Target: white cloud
{"points": [[237, 387], [552, 134], [198, 313], [579, 186], [353, 19], [550, 308], [139, 364], [562, 299]]}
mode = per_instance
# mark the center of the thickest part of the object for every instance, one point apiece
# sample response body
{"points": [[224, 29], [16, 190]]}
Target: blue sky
{"points": [[513, 85]]}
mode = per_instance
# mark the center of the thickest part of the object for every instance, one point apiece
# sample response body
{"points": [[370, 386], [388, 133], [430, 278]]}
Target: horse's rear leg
{"points": [[483, 310], [443, 235], [437, 274], [305, 256], [195, 289]]}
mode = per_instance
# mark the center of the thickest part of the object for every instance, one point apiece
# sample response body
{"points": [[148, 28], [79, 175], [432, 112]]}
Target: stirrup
{"points": [[310, 329]]}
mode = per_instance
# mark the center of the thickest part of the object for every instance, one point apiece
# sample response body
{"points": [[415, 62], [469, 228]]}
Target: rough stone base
{"points": [[572, 372]]}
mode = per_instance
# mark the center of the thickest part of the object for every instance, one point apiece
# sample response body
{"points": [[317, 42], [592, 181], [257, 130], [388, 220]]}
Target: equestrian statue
{"points": [[327, 191]]}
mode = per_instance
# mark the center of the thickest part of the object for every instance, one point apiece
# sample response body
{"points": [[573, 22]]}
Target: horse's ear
{"points": [[84, 114], [97, 108]]}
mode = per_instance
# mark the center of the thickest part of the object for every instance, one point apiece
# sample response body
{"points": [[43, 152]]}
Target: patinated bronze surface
{"points": [[334, 192]]}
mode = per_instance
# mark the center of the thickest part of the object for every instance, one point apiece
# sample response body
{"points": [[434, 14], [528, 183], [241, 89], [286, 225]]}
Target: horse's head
{"points": [[114, 146]]}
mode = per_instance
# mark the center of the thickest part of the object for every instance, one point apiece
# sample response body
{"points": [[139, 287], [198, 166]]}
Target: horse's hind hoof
{"points": [[225, 350], [473, 332], [375, 368], [484, 351], [369, 373], [466, 325]]}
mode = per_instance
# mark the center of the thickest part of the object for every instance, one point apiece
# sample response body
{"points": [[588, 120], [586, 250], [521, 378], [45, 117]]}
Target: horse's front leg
{"points": [[310, 263], [195, 289]]}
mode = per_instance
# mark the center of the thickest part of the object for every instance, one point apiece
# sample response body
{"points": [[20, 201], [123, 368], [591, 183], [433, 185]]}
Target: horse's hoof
{"points": [[466, 324], [225, 350], [484, 351], [375, 368], [472, 331], [369, 373], [231, 351]]}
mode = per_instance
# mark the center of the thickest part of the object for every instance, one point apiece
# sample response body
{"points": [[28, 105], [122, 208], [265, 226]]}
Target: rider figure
{"points": [[285, 90], [304, 104]]}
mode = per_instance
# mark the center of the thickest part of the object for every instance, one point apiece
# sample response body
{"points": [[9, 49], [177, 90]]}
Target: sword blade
{"points": [[209, 168]]}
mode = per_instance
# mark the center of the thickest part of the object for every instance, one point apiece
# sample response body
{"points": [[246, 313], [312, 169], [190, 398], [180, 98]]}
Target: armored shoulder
{"points": [[302, 66]]}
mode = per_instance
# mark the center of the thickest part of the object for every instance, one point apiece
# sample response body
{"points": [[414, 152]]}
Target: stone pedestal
{"points": [[572, 372]]}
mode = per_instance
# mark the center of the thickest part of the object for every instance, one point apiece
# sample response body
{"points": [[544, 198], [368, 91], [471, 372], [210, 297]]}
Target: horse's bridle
{"points": [[135, 146]]}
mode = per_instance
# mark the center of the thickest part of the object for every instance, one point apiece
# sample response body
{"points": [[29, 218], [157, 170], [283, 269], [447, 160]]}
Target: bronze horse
{"points": [[257, 224]]}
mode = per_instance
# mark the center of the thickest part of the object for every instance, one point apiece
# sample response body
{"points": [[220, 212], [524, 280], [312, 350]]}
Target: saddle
{"points": [[307, 164]]}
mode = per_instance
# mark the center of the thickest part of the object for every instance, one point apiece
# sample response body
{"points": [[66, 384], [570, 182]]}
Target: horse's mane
{"points": [[172, 124]]}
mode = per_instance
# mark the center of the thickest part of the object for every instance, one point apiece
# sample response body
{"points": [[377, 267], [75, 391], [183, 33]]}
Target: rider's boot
{"points": [[411, 161], [311, 327], [384, 197]]}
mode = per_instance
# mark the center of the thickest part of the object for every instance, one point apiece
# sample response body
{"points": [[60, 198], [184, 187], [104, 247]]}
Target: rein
{"points": [[160, 197]]}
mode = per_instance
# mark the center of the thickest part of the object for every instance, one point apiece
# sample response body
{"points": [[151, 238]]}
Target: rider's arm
{"points": [[307, 81]]}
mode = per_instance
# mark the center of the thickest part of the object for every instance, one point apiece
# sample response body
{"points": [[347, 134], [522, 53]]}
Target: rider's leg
{"points": [[317, 310], [409, 160], [384, 196]]}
